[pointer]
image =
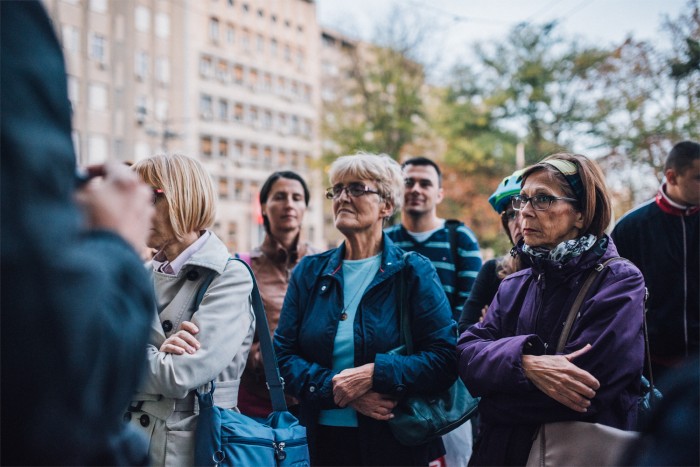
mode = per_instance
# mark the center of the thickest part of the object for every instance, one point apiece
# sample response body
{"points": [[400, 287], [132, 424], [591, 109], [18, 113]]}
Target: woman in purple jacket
{"points": [[510, 358]]}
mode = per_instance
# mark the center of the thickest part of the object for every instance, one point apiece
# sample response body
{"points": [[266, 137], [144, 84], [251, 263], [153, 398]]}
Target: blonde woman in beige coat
{"points": [[178, 363]]}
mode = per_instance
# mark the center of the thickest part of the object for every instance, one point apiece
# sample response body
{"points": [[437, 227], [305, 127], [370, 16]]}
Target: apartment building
{"points": [[235, 83]]}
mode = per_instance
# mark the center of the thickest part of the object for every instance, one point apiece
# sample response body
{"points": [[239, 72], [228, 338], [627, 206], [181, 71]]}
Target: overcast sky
{"points": [[463, 22]]}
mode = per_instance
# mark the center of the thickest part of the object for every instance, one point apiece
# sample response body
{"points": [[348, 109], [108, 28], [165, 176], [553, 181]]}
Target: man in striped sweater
{"points": [[451, 247]]}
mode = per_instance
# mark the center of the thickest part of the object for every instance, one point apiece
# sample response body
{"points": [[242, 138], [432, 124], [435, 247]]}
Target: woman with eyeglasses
{"points": [[189, 346], [510, 358], [340, 320], [493, 271]]}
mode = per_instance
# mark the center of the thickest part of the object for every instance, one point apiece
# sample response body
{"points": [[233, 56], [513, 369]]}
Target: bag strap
{"points": [[452, 226], [647, 350], [576, 307], [275, 383], [244, 256], [404, 323]]}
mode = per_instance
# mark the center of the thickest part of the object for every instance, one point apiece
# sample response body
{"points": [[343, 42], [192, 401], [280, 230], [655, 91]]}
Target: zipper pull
{"points": [[279, 451]]}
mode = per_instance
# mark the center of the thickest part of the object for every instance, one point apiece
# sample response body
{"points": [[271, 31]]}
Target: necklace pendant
{"points": [[343, 316]]}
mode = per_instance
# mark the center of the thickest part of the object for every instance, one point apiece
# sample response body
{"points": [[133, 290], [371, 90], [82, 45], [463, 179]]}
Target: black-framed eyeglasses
{"points": [[354, 189], [156, 192], [538, 202], [509, 215]]}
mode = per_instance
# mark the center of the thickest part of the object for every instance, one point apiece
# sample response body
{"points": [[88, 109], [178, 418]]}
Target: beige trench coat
{"points": [[165, 408]]}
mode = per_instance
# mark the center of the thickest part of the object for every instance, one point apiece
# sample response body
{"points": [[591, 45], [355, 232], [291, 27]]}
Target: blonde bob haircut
{"points": [[187, 187], [595, 203], [378, 168]]}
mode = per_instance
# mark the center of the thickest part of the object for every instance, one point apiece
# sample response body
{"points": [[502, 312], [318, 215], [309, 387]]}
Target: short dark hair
{"points": [[682, 156], [267, 188], [424, 161]]}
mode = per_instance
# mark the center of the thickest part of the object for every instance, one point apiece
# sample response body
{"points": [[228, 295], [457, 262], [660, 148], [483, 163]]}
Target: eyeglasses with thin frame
{"points": [[354, 189], [156, 192], [538, 202], [510, 215]]}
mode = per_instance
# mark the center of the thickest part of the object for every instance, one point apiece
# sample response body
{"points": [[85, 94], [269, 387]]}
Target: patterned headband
{"points": [[570, 172]]}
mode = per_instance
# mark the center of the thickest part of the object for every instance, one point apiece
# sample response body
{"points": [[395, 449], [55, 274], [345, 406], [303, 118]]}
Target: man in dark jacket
{"points": [[75, 305], [662, 238]]}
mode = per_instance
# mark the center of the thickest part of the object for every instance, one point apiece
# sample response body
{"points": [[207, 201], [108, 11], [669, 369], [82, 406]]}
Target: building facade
{"points": [[234, 83]]}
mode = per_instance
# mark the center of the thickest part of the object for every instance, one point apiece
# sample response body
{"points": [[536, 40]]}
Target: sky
{"points": [[464, 22]]}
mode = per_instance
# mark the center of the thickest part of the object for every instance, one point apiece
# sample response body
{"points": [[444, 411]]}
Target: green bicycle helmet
{"points": [[509, 187]]}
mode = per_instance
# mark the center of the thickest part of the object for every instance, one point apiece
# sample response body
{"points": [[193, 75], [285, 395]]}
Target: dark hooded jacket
{"points": [[527, 316]]}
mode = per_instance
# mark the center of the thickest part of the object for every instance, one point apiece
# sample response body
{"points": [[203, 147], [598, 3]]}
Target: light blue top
{"points": [[357, 275]]}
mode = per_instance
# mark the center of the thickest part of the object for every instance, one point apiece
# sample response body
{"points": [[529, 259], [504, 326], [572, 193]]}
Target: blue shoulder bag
{"points": [[226, 437]]}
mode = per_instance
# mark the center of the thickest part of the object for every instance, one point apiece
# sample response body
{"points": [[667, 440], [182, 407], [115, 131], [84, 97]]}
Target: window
{"points": [[238, 74], [267, 120], [267, 82], [162, 25], [98, 6], [97, 149], [141, 64], [273, 47], [287, 53], [223, 147], [223, 110], [222, 71], [230, 34], [163, 70], [223, 187], [206, 67], [161, 110], [214, 30], [205, 107], [253, 116], [260, 43], [238, 148], [238, 113], [71, 39], [142, 18], [230, 2], [97, 97], [73, 89], [205, 145], [267, 156], [246, 8], [97, 48], [246, 41], [261, 13], [253, 78], [300, 59]]}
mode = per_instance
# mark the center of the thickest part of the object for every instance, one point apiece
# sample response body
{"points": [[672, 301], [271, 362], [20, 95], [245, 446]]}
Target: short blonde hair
{"points": [[378, 168], [187, 187]]}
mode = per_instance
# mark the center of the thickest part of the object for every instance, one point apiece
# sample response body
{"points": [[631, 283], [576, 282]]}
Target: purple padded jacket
{"points": [[527, 316]]}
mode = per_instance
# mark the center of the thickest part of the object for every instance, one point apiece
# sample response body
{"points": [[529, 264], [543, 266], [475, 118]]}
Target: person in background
{"points": [[493, 271], [509, 358], [75, 298], [662, 238], [190, 343], [284, 198], [453, 250], [340, 320]]}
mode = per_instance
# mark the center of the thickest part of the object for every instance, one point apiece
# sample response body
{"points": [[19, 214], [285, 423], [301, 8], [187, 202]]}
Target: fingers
{"points": [[190, 327], [570, 357], [181, 340]]}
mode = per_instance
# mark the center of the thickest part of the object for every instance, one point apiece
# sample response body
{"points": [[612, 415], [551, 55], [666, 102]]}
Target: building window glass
{"points": [[98, 6], [142, 18], [230, 34], [206, 67], [205, 107], [214, 30], [205, 145], [223, 110], [163, 70], [97, 48], [223, 187], [71, 39], [238, 74], [223, 147], [97, 97], [141, 64], [222, 71], [97, 149], [238, 113], [162, 25]]}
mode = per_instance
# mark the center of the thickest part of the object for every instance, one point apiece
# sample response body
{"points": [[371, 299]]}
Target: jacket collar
{"points": [[391, 261], [669, 206], [274, 250], [213, 255]]}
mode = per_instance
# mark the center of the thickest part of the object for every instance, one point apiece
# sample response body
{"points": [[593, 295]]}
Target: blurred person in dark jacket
{"points": [[75, 300], [662, 238]]}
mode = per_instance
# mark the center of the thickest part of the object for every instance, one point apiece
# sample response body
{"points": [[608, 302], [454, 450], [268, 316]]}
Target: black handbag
{"points": [[227, 437], [422, 418]]}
